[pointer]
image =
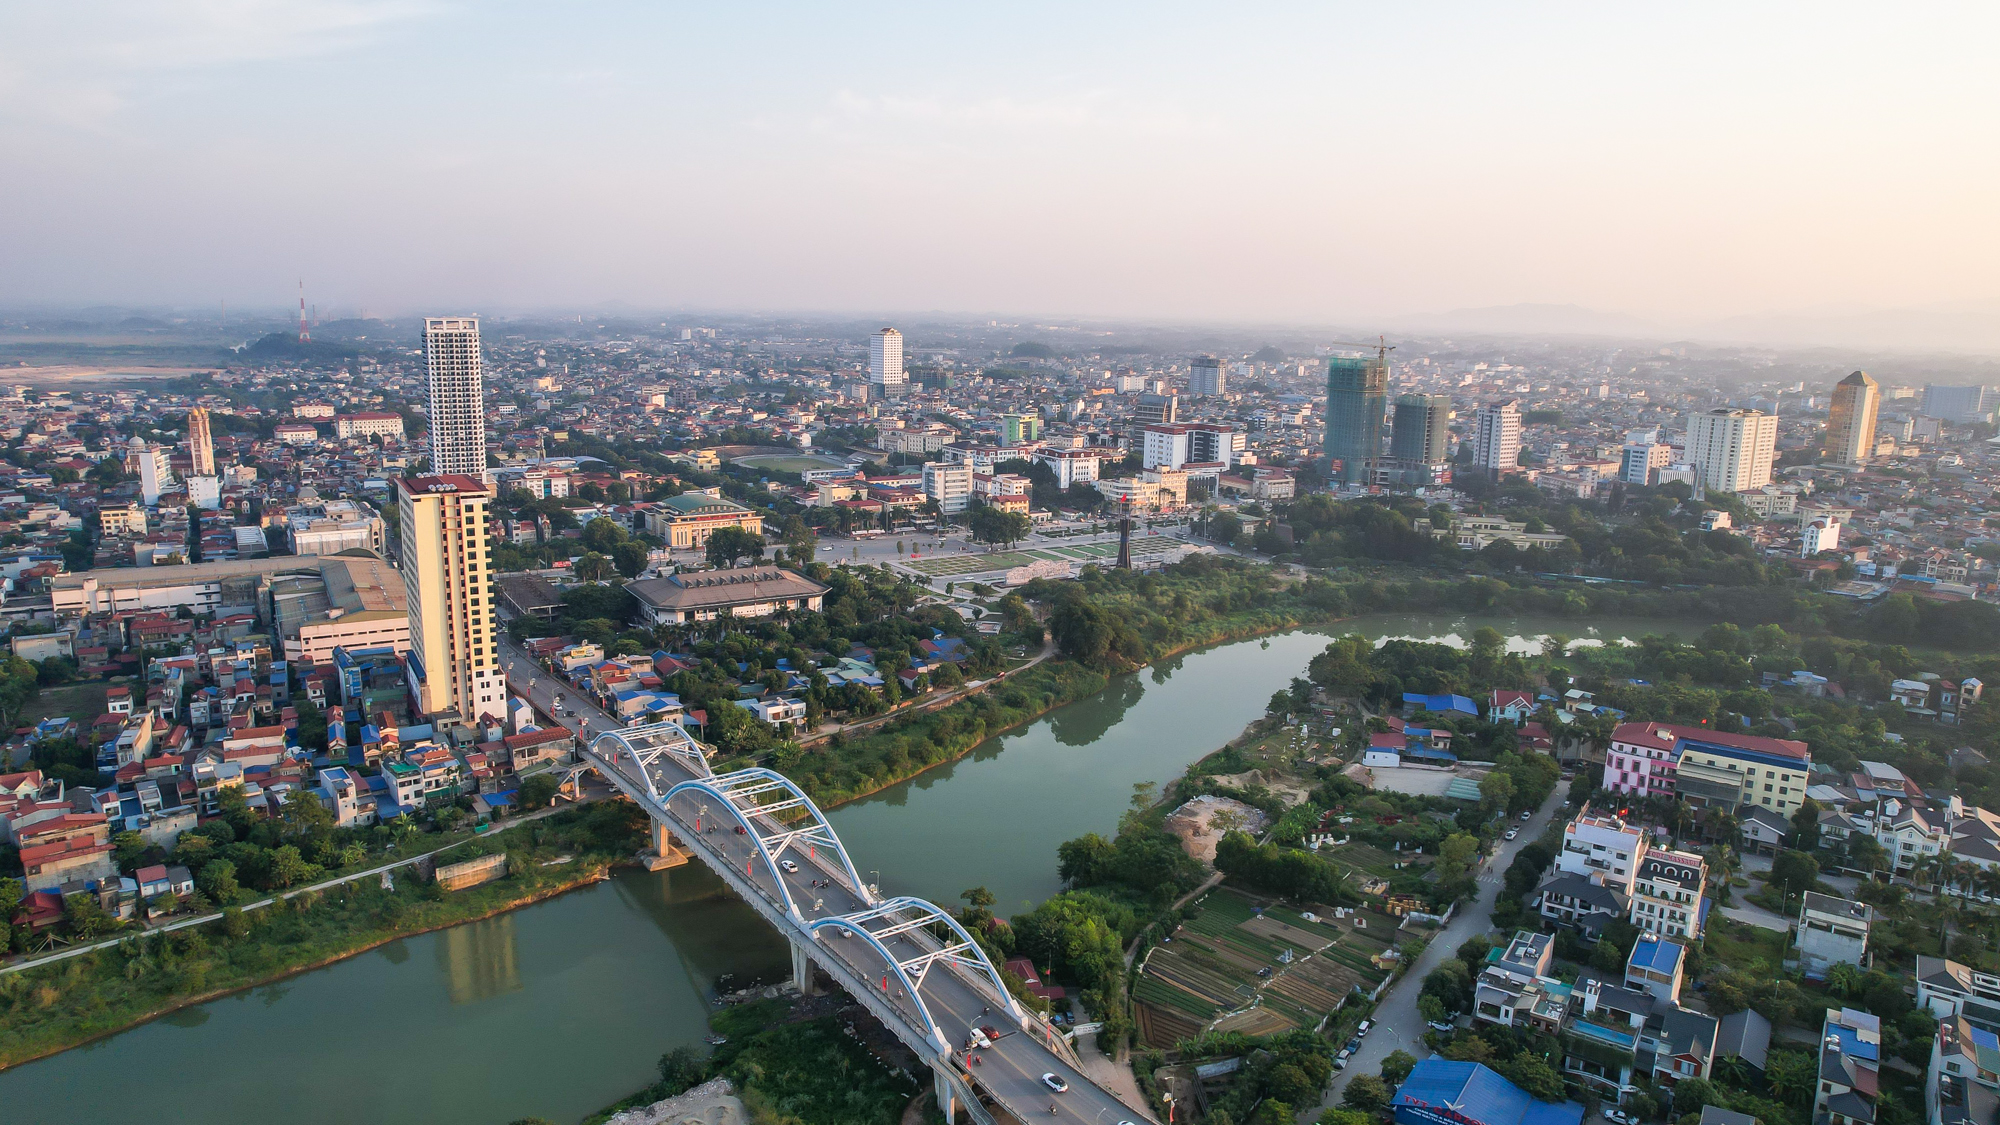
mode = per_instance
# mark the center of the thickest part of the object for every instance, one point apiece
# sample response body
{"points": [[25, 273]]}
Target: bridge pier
{"points": [[947, 1091], [802, 968], [664, 854]]}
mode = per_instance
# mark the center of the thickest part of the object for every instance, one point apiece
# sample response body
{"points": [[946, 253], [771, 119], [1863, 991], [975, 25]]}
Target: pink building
{"points": [[1642, 759]]}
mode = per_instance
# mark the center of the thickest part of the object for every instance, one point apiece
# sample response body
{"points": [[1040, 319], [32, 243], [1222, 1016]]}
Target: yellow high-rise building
{"points": [[1850, 424], [454, 638], [200, 445]]}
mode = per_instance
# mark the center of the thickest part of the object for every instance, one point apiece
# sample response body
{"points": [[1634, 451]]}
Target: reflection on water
{"points": [[1083, 726], [599, 982], [479, 960]]}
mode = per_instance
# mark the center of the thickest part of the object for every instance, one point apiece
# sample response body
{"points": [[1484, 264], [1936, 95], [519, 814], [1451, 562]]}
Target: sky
{"points": [[1310, 163]]}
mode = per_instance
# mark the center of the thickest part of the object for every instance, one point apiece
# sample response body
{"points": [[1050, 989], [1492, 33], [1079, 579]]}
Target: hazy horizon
{"points": [[1788, 174]]}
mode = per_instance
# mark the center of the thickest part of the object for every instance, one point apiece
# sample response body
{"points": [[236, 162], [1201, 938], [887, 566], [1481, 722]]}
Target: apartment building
{"points": [[948, 486], [1733, 449], [1731, 770], [1667, 895], [454, 656], [1641, 759]]}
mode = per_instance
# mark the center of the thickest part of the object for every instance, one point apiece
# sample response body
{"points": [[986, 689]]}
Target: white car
{"points": [[788, 866], [1512, 833], [1619, 1117], [1056, 1083]]}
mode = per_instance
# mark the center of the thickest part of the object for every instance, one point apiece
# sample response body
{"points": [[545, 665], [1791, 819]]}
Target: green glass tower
{"points": [[1357, 396]]}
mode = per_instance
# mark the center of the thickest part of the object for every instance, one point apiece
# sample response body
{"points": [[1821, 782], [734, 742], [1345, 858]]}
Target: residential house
{"points": [[1601, 1043], [1962, 1086], [1745, 1035], [1515, 988], [1850, 1059], [1909, 835], [1516, 707], [1683, 1046], [1763, 831], [1947, 988], [1831, 931], [1655, 967]]}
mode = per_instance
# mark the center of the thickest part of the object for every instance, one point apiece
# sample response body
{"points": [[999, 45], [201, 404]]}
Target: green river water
{"points": [[560, 1008]]}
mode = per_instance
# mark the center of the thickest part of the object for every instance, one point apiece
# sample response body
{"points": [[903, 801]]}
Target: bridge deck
{"points": [[795, 873]]}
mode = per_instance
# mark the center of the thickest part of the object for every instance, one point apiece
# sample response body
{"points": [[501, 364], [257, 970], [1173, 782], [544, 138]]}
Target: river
{"points": [[560, 1008]]}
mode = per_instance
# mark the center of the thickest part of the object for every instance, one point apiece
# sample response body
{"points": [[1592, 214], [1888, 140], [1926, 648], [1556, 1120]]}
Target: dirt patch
{"points": [[711, 1103], [1289, 789], [1195, 824]]}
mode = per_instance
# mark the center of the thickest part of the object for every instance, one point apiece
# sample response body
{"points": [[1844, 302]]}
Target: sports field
{"points": [[952, 566], [783, 463]]}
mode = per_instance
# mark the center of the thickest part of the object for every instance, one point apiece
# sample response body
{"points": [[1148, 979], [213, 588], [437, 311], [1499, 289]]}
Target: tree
{"points": [[218, 881], [288, 867], [1366, 1092], [593, 567], [1495, 790], [728, 544], [312, 723], [194, 533], [1398, 1066], [128, 851], [537, 792], [1431, 1008], [629, 557], [681, 1070], [603, 535], [1690, 1094], [1794, 872]]}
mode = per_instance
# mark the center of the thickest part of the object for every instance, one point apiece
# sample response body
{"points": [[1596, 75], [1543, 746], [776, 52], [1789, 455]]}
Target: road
{"points": [[1011, 1070], [77, 951], [521, 668], [1397, 1024]]}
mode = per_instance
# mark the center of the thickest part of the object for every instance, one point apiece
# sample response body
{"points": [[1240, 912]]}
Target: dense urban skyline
{"points": [[407, 157]]}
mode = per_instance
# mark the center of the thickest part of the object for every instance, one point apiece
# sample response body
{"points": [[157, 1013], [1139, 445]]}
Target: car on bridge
{"points": [[1055, 1082], [790, 867]]}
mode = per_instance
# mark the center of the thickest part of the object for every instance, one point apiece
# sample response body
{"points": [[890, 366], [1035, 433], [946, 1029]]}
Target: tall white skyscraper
{"points": [[154, 475], [457, 399], [885, 360], [454, 662], [1734, 449], [1496, 438]]}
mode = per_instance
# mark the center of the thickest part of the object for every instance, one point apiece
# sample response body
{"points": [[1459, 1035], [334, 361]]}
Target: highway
{"points": [[721, 827]]}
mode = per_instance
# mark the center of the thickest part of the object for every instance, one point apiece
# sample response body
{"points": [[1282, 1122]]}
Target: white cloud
{"points": [[78, 65]]}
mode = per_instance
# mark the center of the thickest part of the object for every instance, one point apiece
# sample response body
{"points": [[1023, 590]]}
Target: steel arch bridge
{"points": [[765, 822], [778, 854]]}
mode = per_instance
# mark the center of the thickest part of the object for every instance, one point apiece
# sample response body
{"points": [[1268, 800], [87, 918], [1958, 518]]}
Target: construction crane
{"points": [[1382, 348]]}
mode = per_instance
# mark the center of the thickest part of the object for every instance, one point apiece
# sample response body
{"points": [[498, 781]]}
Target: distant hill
{"points": [[1532, 320], [286, 345]]}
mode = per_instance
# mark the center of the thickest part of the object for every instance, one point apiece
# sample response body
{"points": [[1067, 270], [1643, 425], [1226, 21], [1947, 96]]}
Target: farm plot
{"points": [[1210, 972]]}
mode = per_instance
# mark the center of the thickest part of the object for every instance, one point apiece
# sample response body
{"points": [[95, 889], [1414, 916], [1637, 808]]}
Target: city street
{"points": [[1397, 1024]]}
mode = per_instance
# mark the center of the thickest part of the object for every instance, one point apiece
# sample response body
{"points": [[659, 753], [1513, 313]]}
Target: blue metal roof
{"points": [[1656, 954], [1441, 1092], [1441, 703]]}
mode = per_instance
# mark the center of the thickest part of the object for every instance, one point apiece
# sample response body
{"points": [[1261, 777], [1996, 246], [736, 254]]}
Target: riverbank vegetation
{"points": [[786, 1069], [52, 1008]]}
